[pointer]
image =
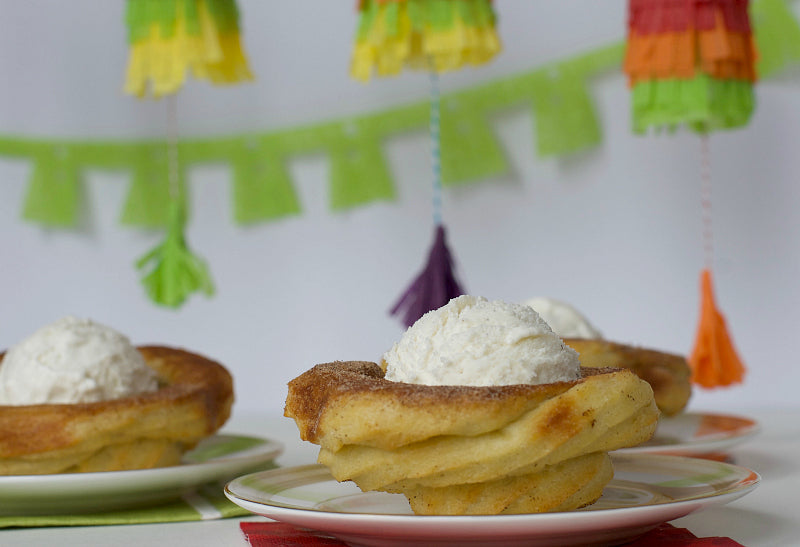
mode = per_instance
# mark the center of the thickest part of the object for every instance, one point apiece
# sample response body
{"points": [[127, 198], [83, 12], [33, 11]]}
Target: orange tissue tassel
{"points": [[714, 361]]}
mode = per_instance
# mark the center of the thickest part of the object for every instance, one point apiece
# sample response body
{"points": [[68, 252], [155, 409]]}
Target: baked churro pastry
{"points": [[136, 407], [457, 444], [668, 374]]}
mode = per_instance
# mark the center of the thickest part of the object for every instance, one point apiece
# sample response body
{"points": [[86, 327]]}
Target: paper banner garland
{"points": [[54, 189], [263, 189], [169, 38], [436, 36], [692, 63], [777, 36]]}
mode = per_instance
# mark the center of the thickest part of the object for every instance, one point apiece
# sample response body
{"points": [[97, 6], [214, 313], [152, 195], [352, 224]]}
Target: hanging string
{"points": [[714, 360], [705, 201], [436, 147], [172, 271]]}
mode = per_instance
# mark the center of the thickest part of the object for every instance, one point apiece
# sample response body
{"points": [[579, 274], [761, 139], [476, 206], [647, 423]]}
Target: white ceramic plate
{"points": [[215, 459], [692, 433], [647, 490]]}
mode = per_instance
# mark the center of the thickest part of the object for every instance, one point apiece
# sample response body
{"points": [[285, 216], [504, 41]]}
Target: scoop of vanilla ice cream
{"points": [[73, 361], [476, 342], [564, 319]]}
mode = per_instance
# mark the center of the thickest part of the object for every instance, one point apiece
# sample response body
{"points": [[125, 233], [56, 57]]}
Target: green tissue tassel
{"points": [[702, 103], [174, 272]]}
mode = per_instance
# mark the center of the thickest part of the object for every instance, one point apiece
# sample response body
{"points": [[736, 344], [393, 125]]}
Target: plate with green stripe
{"points": [[647, 490]]}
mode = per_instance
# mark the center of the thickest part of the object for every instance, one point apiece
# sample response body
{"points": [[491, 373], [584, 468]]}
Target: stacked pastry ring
{"points": [[143, 431], [472, 450], [668, 374]]}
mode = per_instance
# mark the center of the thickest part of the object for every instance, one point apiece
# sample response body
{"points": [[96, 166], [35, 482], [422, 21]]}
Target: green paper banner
{"points": [[262, 187], [565, 122]]}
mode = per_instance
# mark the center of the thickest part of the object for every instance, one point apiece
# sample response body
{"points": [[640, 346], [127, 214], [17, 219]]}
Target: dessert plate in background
{"points": [[691, 433], [215, 459], [647, 490]]}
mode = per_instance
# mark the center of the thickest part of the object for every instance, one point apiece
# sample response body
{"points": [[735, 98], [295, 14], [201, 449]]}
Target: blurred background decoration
{"points": [[168, 39], [434, 36], [309, 193], [693, 64]]}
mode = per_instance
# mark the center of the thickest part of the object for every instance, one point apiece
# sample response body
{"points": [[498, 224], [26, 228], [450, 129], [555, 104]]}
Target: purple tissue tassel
{"points": [[435, 285]]}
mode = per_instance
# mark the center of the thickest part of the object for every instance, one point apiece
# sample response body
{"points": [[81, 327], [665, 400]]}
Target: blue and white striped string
{"points": [[436, 150]]}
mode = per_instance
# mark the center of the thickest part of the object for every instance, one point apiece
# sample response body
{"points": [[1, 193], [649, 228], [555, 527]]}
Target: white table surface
{"points": [[768, 516]]}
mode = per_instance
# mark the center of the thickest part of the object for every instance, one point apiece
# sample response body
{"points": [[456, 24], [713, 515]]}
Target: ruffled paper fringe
{"points": [[435, 34], [659, 16], [673, 55], [160, 60], [141, 15], [702, 103], [678, 39]]}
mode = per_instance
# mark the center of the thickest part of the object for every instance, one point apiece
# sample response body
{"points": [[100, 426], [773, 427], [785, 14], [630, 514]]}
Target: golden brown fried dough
{"points": [[668, 374], [576, 482], [147, 430], [496, 443]]}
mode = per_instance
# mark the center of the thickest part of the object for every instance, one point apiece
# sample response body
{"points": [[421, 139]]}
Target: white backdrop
{"points": [[615, 231]]}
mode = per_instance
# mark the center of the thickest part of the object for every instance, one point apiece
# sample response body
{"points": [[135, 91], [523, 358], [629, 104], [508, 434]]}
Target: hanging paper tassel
{"points": [[436, 36], [690, 62], [422, 34], [173, 272], [435, 285], [170, 37], [714, 360]]}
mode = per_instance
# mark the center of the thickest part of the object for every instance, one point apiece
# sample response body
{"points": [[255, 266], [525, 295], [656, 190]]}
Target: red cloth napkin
{"points": [[269, 534], [266, 534]]}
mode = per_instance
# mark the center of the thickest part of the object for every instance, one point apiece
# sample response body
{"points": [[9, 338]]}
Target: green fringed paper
{"points": [[172, 272], [702, 103], [170, 38], [262, 188], [141, 15], [54, 189], [559, 92], [225, 14], [438, 35], [777, 35], [441, 14], [424, 14]]}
